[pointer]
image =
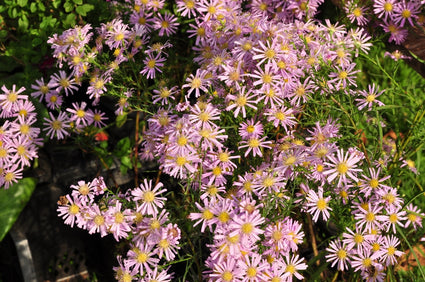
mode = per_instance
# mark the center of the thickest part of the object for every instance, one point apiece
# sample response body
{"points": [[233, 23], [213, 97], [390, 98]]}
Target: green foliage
{"points": [[12, 202]]}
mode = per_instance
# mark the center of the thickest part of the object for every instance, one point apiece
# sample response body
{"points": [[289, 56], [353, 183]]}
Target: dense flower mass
{"points": [[263, 130]]}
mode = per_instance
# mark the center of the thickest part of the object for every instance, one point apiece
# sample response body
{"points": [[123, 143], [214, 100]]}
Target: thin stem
{"points": [[400, 231]]}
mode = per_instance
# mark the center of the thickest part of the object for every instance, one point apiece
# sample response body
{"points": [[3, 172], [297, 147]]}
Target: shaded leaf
{"points": [[13, 201]]}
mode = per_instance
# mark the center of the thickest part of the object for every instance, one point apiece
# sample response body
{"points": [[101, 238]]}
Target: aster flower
{"points": [[389, 253], [152, 65], [150, 202], [253, 267], [197, 83], [205, 215], [167, 24], [70, 209], [255, 144], [339, 254], [42, 88], [98, 222], [369, 98], [356, 239], [406, 11], [343, 77], [53, 99], [394, 217], [81, 115], [60, 81], [397, 33], [158, 276], [292, 265], [203, 115], [56, 127], [187, 8], [342, 166], [167, 244], [163, 94], [121, 220], [251, 129], [247, 226], [140, 257], [372, 183], [363, 260], [282, 116], [384, 8], [24, 150], [370, 218], [10, 98], [356, 13], [98, 118], [10, 175], [226, 271], [317, 204], [142, 18], [414, 216], [241, 100]]}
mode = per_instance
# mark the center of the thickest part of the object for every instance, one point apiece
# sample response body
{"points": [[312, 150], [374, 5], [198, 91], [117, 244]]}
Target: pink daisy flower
{"points": [[148, 196]]}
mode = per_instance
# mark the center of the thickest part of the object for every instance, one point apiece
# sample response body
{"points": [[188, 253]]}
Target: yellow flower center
{"points": [[180, 161], [270, 54], [253, 143], [119, 217], [99, 220], [247, 228], [321, 204], [142, 257], [207, 214], [151, 63], [227, 276], [406, 14], [342, 168], [223, 217], [341, 254], [357, 12], [74, 209], [388, 7], [148, 196], [358, 238]]}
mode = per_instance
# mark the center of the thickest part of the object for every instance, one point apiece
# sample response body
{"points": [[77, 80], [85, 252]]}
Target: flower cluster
{"points": [[394, 16], [240, 135], [19, 136], [137, 216]]}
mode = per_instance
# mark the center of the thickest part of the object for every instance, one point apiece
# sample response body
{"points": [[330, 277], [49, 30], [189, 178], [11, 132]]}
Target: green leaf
{"points": [[78, 2], [23, 23], [68, 6], [56, 3], [22, 3], [33, 7], [13, 13], [84, 9], [69, 21], [36, 41], [123, 146], [13, 201], [3, 33], [121, 119], [41, 6], [126, 161]]}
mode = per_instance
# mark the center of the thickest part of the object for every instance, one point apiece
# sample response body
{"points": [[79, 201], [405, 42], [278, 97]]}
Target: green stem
{"points": [[412, 250]]}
